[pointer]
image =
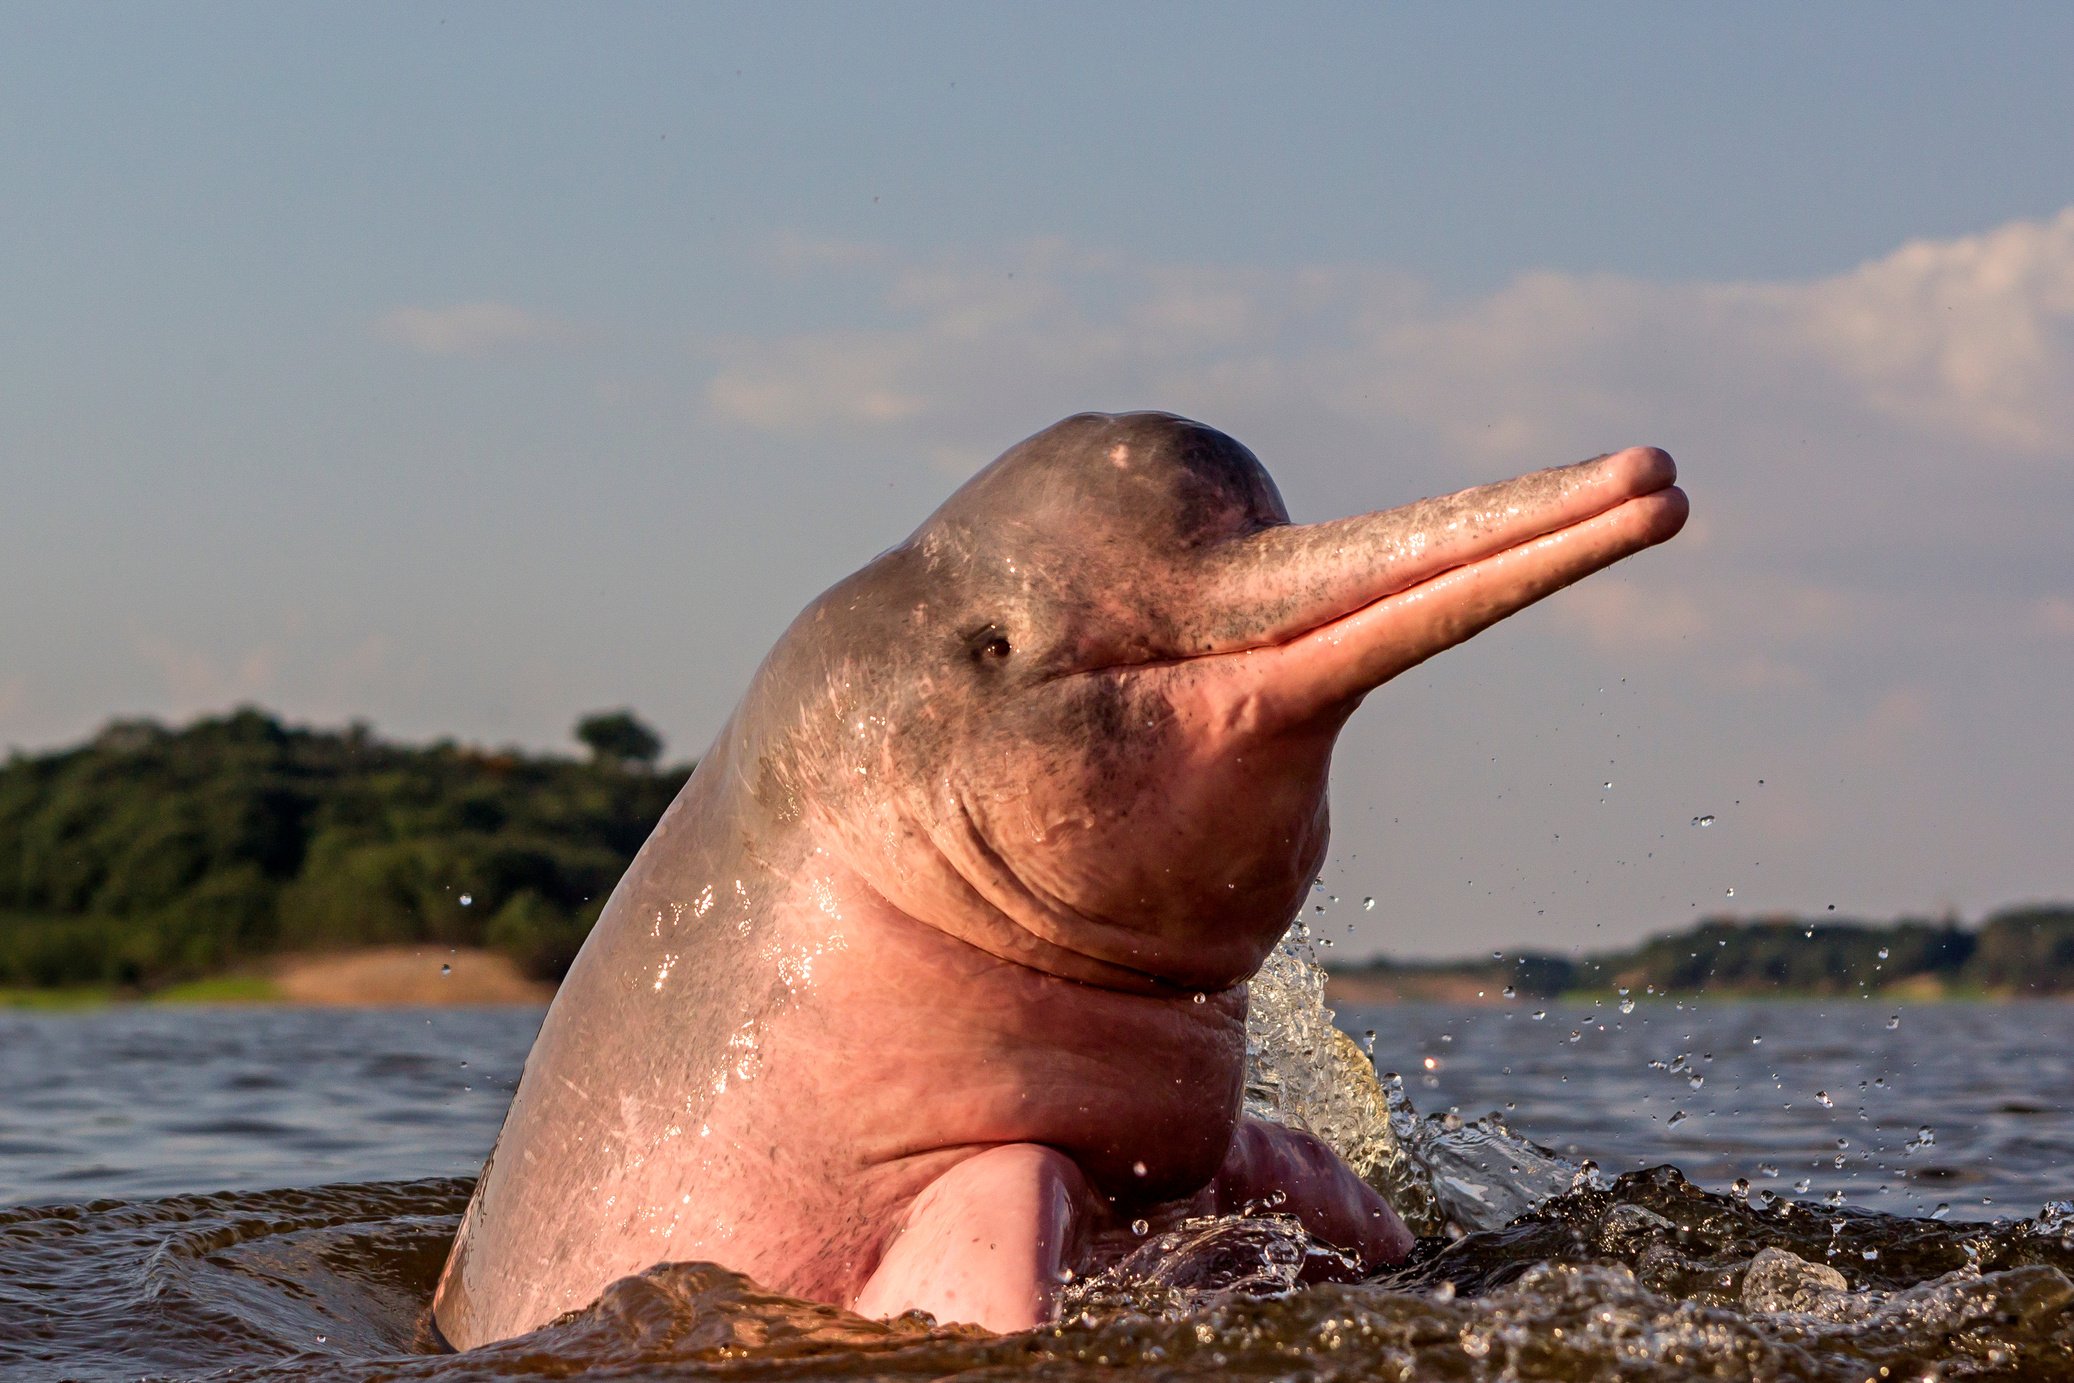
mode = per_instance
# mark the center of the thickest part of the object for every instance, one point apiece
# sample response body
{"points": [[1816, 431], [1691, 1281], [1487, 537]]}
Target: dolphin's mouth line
{"points": [[1410, 591]]}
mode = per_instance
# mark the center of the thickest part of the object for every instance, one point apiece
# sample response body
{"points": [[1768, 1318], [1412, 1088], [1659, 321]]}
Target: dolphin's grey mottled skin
{"points": [[950, 930]]}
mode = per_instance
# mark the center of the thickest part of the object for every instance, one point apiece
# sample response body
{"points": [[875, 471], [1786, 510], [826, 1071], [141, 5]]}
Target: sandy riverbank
{"points": [[403, 976]]}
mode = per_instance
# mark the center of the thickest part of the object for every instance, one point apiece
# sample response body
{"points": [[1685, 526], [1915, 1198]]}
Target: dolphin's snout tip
{"points": [[1644, 470], [1667, 510]]}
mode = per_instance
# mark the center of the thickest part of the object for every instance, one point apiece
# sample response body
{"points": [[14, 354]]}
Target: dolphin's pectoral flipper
{"points": [[987, 1242], [1281, 1169]]}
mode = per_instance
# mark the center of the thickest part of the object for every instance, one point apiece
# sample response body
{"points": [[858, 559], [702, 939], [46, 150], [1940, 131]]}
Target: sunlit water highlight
{"points": [[1537, 1265]]}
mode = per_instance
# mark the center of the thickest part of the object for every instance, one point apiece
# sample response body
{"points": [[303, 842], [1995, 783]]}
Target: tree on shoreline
{"points": [[616, 739]]}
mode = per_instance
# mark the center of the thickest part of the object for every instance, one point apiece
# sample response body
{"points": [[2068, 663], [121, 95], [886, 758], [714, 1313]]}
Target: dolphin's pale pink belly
{"points": [[801, 1172], [792, 1153]]}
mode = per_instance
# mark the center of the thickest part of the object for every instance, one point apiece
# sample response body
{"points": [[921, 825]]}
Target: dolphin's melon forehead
{"points": [[1156, 473]]}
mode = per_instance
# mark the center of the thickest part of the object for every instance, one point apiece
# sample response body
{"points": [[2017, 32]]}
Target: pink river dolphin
{"points": [[933, 978]]}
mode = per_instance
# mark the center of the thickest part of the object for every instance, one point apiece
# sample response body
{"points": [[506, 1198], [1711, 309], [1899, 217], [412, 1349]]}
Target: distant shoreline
{"points": [[243, 860], [372, 977], [2020, 952], [1343, 989], [428, 976]]}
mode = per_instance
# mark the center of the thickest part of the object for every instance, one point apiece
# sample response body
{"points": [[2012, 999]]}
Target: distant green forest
{"points": [[2019, 951], [151, 855]]}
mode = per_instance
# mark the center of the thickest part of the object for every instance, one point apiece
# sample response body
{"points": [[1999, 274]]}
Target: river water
{"points": [[1893, 1164]]}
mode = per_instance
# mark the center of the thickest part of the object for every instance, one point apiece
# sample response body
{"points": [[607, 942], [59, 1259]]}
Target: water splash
{"points": [[1442, 1174]]}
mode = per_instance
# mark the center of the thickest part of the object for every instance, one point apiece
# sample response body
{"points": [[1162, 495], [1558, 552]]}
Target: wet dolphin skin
{"points": [[934, 975]]}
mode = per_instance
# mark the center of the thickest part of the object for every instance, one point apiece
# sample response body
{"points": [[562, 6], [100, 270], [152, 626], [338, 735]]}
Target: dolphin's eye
{"points": [[988, 644]]}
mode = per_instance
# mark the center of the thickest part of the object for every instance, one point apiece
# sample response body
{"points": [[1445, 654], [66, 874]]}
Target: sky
{"points": [[467, 368]]}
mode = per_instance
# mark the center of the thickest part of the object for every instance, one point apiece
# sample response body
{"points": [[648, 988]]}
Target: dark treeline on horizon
{"points": [[150, 855], [2025, 950]]}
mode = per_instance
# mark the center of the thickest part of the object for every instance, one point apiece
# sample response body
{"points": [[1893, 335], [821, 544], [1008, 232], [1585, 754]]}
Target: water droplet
{"points": [[1695, 1079], [1822, 1099], [1730, 892], [1893, 1022], [1941, 1211], [1676, 1119], [1510, 992], [1201, 998], [1431, 1063], [1869, 1255], [1740, 1188], [1707, 820], [1368, 905], [1608, 784], [1139, 1227], [1802, 1185], [467, 899], [1627, 1005], [1137, 1169], [1757, 1041], [1883, 953], [446, 969], [1539, 1014]]}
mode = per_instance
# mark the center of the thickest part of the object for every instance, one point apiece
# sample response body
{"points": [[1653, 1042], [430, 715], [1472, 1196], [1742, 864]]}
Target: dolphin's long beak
{"points": [[1325, 613]]}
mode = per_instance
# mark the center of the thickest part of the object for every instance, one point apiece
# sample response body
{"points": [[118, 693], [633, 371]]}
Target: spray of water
{"points": [[1443, 1174]]}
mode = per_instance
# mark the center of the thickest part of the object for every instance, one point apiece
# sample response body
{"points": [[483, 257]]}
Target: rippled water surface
{"points": [[143, 1149]]}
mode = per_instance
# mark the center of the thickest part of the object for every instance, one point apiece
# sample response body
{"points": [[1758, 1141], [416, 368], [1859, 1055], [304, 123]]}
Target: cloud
{"points": [[466, 329], [793, 252], [1869, 452], [313, 671], [1763, 672], [1974, 335], [2055, 616], [1967, 341], [1619, 616], [818, 384], [196, 681], [1894, 727]]}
